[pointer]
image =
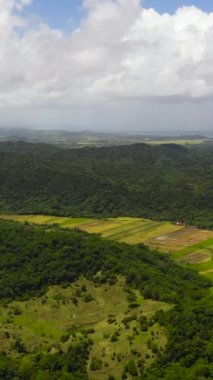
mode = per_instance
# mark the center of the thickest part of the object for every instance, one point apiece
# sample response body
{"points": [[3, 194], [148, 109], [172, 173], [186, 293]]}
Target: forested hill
{"points": [[33, 258], [160, 182]]}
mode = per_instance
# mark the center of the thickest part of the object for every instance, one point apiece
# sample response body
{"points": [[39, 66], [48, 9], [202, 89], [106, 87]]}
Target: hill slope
{"points": [[166, 182], [34, 258]]}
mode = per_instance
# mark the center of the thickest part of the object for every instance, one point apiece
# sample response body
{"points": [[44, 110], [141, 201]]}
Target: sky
{"points": [[107, 65], [65, 14]]}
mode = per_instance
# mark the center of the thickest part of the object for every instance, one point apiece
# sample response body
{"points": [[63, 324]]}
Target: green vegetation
{"points": [[124, 328], [75, 306], [165, 182], [52, 323], [165, 236], [28, 250]]}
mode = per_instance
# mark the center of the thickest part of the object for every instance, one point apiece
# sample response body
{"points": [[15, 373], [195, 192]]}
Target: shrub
{"points": [[96, 364]]}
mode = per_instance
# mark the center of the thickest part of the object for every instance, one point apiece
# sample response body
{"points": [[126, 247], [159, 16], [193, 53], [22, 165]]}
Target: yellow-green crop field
{"points": [[190, 246], [125, 229]]}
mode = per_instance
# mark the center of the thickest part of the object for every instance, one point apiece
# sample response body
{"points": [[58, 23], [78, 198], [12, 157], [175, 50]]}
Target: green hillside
{"points": [[75, 306], [166, 182], [189, 246]]}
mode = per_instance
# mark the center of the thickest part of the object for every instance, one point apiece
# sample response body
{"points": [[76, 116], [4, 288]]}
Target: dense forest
{"points": [[33, 258], [160, 182]]}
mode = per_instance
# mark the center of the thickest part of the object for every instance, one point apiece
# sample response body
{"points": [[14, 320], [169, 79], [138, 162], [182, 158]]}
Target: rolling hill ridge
{"points": [[167, 182]]}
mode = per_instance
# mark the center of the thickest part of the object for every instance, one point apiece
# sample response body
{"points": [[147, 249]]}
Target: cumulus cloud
{"points": [[119, 51]]}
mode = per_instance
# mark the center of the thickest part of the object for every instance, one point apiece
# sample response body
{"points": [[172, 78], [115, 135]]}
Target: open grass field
{"points": [[190, 246], [103, 313]]}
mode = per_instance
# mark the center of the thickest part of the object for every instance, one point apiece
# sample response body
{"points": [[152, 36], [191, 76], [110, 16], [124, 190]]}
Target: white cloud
{"points": [[120, 51]]}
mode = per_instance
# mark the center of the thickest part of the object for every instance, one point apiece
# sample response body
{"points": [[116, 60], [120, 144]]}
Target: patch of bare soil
{"points": [[196, 258]]}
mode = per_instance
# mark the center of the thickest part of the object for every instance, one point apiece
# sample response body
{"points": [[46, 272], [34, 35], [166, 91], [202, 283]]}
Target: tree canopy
{"points": [[159, 182]]}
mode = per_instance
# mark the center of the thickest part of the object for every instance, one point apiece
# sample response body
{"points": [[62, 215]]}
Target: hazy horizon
{"points": [[12, 130]]}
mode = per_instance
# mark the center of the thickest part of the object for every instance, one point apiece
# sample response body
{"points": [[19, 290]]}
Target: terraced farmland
{"points": [[190, 246]]}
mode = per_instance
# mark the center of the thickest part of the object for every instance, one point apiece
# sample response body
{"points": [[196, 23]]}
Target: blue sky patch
{"points": [[66, 14], [170, 6]]}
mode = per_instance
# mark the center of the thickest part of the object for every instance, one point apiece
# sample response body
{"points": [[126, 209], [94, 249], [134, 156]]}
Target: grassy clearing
{"points": [[52, 322]]}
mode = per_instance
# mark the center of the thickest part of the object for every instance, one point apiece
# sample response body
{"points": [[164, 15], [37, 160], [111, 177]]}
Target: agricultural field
{"points": [[180, 239], [190, 246], [125, 229], [117, 320], [198, 256]]}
